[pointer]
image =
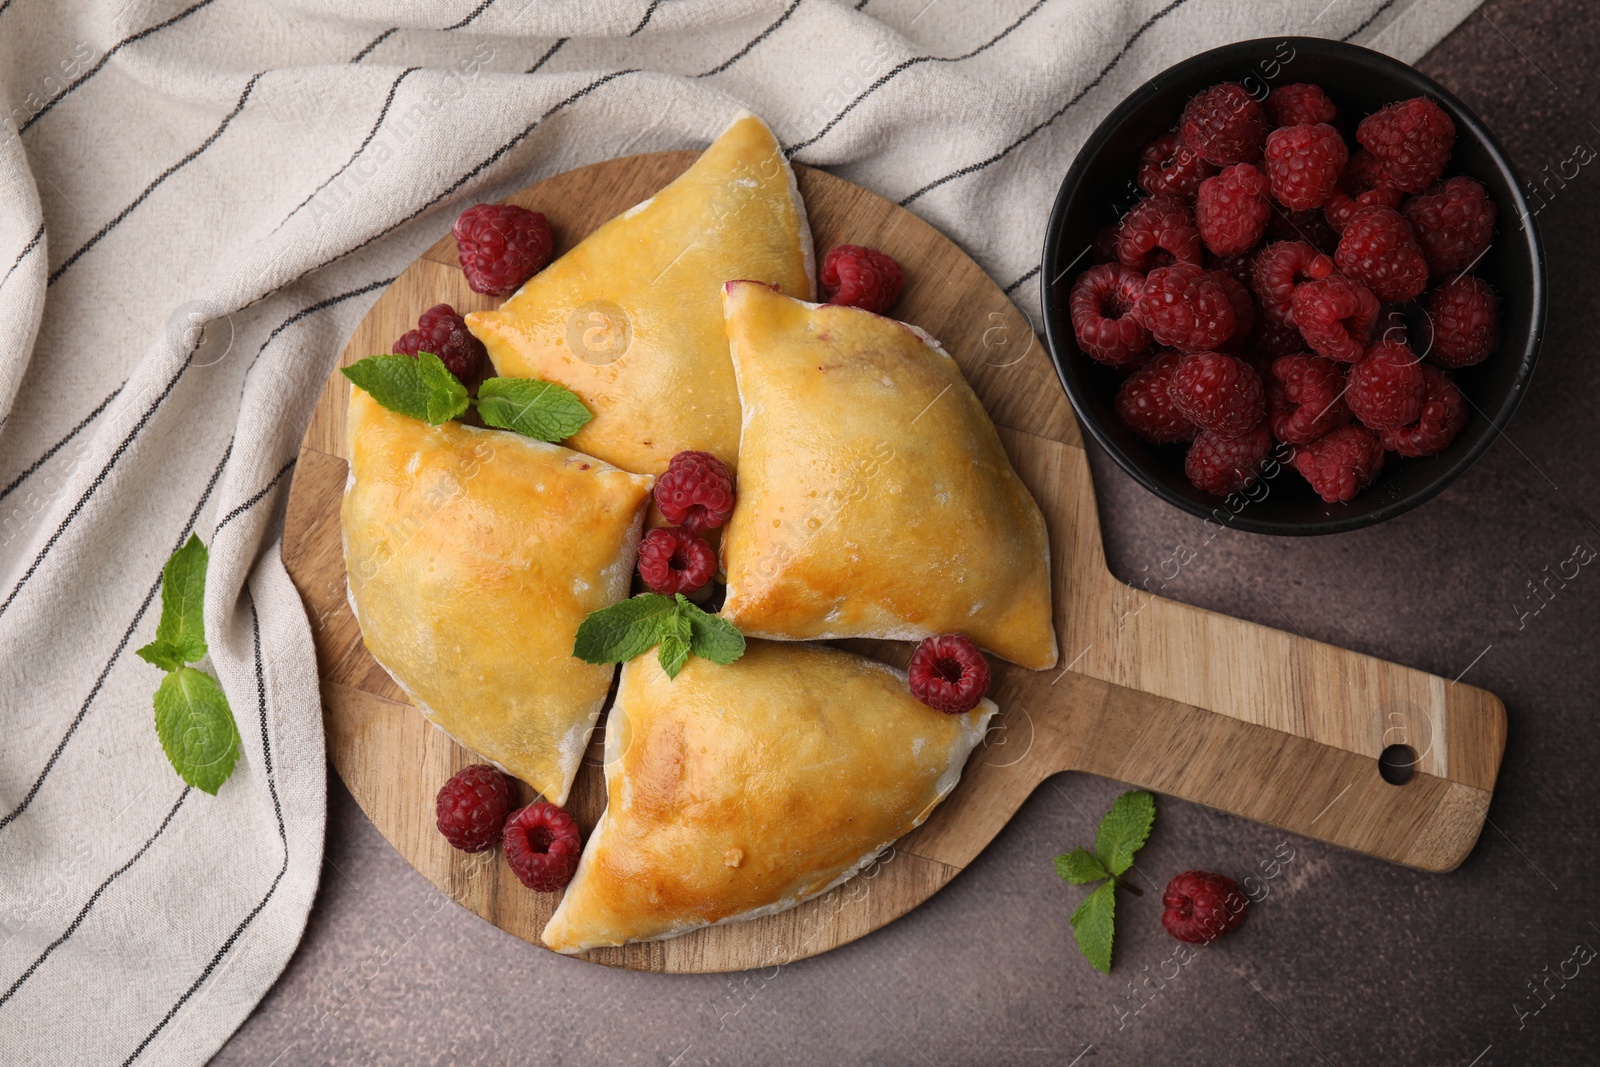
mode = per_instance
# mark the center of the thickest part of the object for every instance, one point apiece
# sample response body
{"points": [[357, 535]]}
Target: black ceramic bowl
{"points": [[1099, 188]]}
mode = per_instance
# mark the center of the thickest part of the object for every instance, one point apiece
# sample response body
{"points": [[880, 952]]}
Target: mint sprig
{"points": [[193, 720], [673, 624], [532, 408], [424, 388], [1122, 833]]}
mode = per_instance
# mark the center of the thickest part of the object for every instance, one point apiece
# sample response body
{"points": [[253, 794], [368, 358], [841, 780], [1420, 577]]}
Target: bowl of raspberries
{"points": [[1292, 286]]}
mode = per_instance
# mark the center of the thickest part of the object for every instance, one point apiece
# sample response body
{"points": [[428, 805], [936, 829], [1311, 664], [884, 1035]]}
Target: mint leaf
{"points": [[447, 397], [711, 636], [624, 630], [533, 408], [180, 635], [675, 637], [1080, 866], [422, 387], [1094, 923], [1124, 830], [196, 728]]}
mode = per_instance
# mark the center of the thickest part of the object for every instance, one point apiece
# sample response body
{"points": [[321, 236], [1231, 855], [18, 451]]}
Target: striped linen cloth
{"points": [[198, 202]]}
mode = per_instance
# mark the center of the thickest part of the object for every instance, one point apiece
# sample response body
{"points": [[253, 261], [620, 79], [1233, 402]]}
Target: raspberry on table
{"points": [[1378, 249], [1410, 140], [1101, 307], [1218, 393], [542, 846], [853, 276], [1167, 165], [695, 491], [444, 333], [1386, 387], [674, 560], [1341, 462], [471, 807], [1335, 316], [1463, 323], [948, 673], [1303, 164], [1231, 209], [1157, 232], [1221, 465], [1308, 226], [1186, 308], [1453, 224], [1145, 406], [1305, 398], [1244, 310], [1279, 268], [1199, 906], [1225, 124], [1444, 413], [1296, 105], [501, 246]]}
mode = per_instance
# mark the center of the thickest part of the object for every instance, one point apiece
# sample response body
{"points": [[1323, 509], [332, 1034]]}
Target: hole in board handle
{"points": [[1397, 763]]}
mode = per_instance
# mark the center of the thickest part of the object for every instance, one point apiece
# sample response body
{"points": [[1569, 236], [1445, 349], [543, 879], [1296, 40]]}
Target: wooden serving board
{"points": [[1183, 701]]}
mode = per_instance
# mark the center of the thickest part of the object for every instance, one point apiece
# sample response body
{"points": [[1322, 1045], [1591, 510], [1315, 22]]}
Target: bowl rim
{"points": [[1053, 311]]}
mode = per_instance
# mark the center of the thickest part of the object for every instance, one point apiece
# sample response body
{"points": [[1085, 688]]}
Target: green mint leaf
{"points": [[181, 633], [163, 654], [196, 728], [675, 637], [624, 630], [394, 382], [1124, 830], [1093, 925], [533, 408], [1080, 866], [447, 397], [711, 636]]}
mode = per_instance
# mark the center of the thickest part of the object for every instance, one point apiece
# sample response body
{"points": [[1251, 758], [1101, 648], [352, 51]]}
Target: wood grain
{"points": [[1226, 713]]}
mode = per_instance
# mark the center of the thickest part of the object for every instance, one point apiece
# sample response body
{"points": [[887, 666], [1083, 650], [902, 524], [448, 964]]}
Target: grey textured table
{"points": [[1347, 960]]}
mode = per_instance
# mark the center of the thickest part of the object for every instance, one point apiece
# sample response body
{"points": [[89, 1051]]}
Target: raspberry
{"points": [[444, 333], [1225, 124], [1453, 223], [1303, 164], [1105, 243], [1217, 392], [1305, 398], [1463, 322], [1335, 316], [1185, 308], [1279, 268], [471, 807], [864, 278], [948, 673], [674, 560], [1444, 412], [695, 492], [1236, 267], [1231, 210], [1386, 386], [542, 845], [1157, 232], [1308, 226], [1341, 462], [1410, 140], [1201, 906], [501, 246], [1378, 250], [1273, 339], [1221, 465], [1294, 105], [1167, 165], [1145, 406], [1100, 306], [1244, 310]]}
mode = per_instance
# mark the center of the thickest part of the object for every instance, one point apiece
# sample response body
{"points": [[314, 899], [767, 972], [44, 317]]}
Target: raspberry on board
{"points": [[859, 277], [471, 807], [444, 333], [674, 560], [501, 246], [1303, 164], [1185, 308], [542, 845], [1378, 250], [1231, 210], [1167, 165], [1218, 393], [1244, 310], [1386, 387], [1225, 124], [695, 491], [1335, 316], [1101, 306], [1453, 224], [1341, 462], [1222, 465], [1158, 231], [1305, 398], [1295, 105], [1146, 408], [1463, 322], [948, 673], [1410, 140], [1199, 906], [1444, 413], [1279, 268]]}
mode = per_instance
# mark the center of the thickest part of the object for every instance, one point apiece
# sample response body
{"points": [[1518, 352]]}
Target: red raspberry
{"points": [[1217, 392], [501, 246], [444, 333], [673, 560], [1410, 140], [1305, 398], [948, 673], [1463, 322], [1453, 223], [1308, 226], [1201, 906], [1335, 316], [471, 807], [1279, 268], [1105, 243], [542, 846], [1378, 250], [695, 492], [1361, 184], [1157, 232], [1303, 164], [1295, 105], [1273, 339], [1386, 387], [1340, 463], [1144, 405], [1244, 310], [1221, 465], [1444, 413], [1167, 165], [864, 278], [1225, 124], [1231, 210], [1185, 308], [1101, 305]]}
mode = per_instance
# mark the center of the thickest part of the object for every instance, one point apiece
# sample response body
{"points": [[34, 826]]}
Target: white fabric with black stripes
{"points": [[199, 200]]}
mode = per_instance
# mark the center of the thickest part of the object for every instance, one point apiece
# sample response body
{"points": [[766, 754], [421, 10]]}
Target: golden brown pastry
{"points": [[631, 318], [741, 790], [472, 557], [874, 497]]}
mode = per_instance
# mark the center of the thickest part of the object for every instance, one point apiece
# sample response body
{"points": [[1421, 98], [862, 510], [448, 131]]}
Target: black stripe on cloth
{"points": [[94, 898], [254, 500], [3, 6], [59, 445], [469, 19], [649, 13], [862, 4], [546, 57], [38, 235], [113, 50], [388, 102], [907, 65], [375, 42], [757, 39], [1014, 286], [1387, 4], [973, 168]]}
